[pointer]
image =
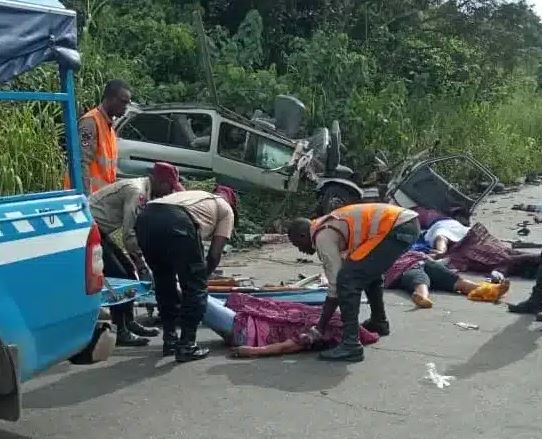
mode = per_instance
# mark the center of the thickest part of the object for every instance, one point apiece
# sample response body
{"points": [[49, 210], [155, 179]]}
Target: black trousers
{"points": [[172, 247], [431, 273], [367, 275], [117, 264], [537, 288]]}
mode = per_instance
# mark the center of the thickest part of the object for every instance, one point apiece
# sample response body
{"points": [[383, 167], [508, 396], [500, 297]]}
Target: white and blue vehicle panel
{"points": [[44, 308]]}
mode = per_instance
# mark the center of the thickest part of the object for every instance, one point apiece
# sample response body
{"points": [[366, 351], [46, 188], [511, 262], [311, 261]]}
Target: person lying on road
{"points": [[258, 327], [416, 273]]}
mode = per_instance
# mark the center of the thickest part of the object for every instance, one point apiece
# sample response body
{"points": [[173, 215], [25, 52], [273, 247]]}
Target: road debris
{"points": [[266, 238], [497, 277], [524, 230], [465, 325], [440, 381], [522, 244], [528, 207]]}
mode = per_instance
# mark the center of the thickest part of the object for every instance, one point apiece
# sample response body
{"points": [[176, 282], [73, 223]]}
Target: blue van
{"points": [[51, 269]]}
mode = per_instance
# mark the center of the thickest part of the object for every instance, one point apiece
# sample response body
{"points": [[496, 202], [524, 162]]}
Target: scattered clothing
{"points": [[481, 252], [450, 229], [261, 322]]}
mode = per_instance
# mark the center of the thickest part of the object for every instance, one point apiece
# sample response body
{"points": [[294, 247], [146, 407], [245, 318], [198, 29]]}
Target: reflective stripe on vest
{"points": [[105, 162], [103, 169], [368, 225]]}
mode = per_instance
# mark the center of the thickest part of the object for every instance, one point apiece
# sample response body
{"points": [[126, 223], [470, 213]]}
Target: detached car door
{"points": [[180, 138], [448, 184]]}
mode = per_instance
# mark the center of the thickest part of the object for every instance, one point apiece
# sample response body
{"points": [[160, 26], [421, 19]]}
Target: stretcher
{"points": [[118, 291]]}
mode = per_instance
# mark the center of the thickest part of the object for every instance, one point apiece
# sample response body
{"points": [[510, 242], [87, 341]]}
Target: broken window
{"points": [[242, 145], [182, 130]]}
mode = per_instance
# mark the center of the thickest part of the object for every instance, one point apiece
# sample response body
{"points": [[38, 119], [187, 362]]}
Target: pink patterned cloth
{"points": [[481, 252], [261, 322], [405, 262]]}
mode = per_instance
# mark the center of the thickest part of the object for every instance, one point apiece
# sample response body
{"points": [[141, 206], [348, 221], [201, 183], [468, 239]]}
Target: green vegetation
{"points": [[400, 75]]}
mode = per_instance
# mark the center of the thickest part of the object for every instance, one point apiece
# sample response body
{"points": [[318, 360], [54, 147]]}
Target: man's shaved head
{"points": [[299, 232]]}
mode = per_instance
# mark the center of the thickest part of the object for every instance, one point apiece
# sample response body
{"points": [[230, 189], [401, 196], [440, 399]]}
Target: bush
{"points": [[31, 159]]}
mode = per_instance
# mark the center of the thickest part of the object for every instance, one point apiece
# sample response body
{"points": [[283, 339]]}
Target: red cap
{"points": [[167, 173], [228, 194]]}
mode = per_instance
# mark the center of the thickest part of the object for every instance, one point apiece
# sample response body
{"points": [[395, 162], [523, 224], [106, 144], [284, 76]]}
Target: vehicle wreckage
{"points": [[270, 153]]}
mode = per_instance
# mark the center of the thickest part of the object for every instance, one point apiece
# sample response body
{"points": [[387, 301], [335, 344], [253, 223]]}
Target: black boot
{"points": [[378, 322], [170, 343], [381, 327], [187, 348], [126, 338], [141, 330], [532, 305], [350, 348]]}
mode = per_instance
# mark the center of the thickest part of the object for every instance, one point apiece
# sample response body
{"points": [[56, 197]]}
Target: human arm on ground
{"points": [[440, 247], [221, 235], [286, 347], [89, 144]]}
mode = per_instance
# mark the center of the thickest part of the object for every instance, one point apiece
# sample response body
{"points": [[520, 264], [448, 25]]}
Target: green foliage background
{"points": [[400, 75]]}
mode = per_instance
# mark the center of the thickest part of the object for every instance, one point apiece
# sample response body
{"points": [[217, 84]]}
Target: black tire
{"points": [[7, 373], [333, 196]]}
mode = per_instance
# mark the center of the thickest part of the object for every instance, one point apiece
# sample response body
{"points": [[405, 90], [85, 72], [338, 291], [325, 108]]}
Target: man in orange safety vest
{"points": [[357, 244], [99, 152]]}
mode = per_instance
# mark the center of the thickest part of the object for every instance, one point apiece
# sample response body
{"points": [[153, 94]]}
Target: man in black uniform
{"points": [[170, 232]]}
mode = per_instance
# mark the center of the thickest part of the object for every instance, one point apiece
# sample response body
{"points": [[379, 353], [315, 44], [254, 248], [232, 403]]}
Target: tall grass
{"points": [[506, 135], [31, 156]]}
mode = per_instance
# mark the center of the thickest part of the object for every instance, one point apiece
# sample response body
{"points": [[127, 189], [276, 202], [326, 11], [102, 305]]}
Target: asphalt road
{"points": [[137, 394]]}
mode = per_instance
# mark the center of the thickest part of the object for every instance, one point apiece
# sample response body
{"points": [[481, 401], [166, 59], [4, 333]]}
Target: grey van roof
{"points": [[223, 111]]}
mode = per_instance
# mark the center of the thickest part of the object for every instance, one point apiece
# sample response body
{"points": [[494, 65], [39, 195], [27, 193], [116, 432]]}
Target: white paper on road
{"points": [[440, 381]]}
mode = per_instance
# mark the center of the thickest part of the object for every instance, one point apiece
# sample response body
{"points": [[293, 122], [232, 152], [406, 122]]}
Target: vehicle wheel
{"points": [[334, 196], [7, 374]]}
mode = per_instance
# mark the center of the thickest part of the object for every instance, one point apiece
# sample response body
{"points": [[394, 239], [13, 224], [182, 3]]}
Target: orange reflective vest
{"points": [[368, 225], [103, 168]]}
